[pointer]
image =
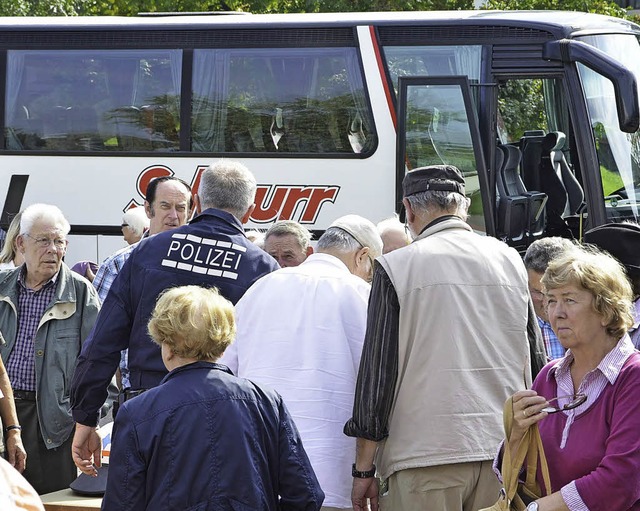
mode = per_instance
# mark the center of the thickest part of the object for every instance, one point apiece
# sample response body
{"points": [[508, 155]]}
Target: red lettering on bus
{"points": [[273, 202], [278, 202], [150, 173], [269, 201], [319, 196]]}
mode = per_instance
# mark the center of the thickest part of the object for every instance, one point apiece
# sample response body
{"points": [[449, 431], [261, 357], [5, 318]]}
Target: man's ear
{"points": [[309, 250], [197, 205], [247, 215], [362, 254], [147, 209], [409, 212]]}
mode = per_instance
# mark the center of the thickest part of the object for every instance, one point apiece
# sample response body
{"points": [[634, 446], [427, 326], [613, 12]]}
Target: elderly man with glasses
{"points": [[46, 312]]}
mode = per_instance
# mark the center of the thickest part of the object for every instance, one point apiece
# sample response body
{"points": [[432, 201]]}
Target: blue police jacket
{"points": [[211, 250], [207, 440]]}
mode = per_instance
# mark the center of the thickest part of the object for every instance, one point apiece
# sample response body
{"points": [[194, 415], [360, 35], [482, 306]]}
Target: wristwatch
{"points": [[366, 474], [533, 506]]}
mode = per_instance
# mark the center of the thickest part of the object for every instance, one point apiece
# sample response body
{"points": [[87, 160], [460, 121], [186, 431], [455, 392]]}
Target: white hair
{"points": [[137, 220], [46, 212]]}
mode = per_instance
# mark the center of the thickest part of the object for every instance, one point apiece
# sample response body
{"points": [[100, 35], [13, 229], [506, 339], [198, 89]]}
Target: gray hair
{"points": [[452, 203], [46, 212], [392, 223], [541, 252], [8, 252], [290, 227], [136, 219], [339, 240], [227, 185]]}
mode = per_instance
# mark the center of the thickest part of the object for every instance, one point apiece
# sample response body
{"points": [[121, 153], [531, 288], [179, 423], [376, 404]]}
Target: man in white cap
{"points": [[300, 330]]}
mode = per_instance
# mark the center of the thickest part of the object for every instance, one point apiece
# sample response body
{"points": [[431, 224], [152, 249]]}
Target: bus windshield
{"points": [[618, 152]]}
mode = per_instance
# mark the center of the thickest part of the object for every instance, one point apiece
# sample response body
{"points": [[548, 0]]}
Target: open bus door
{"points": [[438, 125]]}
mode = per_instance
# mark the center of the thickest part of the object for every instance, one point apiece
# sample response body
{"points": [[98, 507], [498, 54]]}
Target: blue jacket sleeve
{"points": [[299, 488], [126, 483], [100, 353]]}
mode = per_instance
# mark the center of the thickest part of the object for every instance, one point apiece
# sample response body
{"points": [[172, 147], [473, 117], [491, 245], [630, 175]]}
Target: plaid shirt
{"points": [[32, 305], [109, 270], [551, 343]]}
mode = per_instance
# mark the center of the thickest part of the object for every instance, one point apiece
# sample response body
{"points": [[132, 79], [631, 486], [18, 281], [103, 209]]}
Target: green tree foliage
{"points": [[133, 7], [38, 7], [597, 6]]}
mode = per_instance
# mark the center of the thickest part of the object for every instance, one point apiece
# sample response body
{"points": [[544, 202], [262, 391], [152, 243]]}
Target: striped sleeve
{"points": [[378, 371]]}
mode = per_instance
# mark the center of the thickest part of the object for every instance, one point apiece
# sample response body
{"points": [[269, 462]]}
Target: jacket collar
{"points": [[442, 224], [227, 218], [195, 366], [65, 290]]}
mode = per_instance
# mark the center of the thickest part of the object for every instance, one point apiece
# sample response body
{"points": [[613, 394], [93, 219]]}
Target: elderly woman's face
{"points": [[572, 316]]}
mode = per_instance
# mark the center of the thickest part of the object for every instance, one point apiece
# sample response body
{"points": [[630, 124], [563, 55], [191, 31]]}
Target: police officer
{"points": [[211, 250]]}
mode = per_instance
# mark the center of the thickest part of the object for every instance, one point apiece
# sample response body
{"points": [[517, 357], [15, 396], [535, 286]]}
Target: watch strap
{"points": [[363, 474]]}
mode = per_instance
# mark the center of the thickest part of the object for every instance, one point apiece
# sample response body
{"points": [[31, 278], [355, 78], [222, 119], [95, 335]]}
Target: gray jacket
{"points": [[63, 328]]}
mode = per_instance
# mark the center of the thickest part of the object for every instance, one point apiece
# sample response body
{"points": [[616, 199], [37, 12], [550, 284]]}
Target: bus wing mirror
{"points": [[623, 80]]}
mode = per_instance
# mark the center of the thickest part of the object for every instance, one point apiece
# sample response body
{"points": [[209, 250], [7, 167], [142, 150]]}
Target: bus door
{"points": [[438, 125]]}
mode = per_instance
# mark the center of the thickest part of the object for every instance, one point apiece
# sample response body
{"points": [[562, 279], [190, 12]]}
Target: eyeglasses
{"points": [[44, 242], [574, 402], [124, 225]]}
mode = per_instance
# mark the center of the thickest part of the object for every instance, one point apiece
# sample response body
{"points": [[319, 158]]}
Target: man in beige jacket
{"points": [[450, 334]]}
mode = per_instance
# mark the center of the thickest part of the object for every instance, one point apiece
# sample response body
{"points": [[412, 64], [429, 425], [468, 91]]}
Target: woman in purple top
{"points": [[593, 450]]}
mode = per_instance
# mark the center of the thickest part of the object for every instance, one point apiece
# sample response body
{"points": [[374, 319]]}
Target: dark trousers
{"points": [[48, 470]]}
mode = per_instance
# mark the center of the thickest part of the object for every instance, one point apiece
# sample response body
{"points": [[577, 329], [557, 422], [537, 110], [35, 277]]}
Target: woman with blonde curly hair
{"points": [[205, 439], [592, 443]]}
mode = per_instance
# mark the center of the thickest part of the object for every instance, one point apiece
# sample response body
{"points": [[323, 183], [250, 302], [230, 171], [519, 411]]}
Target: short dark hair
{"points": [[156, 181]]}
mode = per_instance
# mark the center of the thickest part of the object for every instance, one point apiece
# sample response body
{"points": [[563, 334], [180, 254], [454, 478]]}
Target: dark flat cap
{"points": [[431, 178], [622, 241], [91, 486]]}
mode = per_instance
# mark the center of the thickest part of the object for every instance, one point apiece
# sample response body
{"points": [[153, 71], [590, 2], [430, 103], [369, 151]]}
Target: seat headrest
{"points": [[553, 141], [512, 156]]}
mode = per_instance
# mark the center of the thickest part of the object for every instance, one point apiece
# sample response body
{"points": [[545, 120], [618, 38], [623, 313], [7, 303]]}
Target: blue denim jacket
{"points": [[65, 325]]}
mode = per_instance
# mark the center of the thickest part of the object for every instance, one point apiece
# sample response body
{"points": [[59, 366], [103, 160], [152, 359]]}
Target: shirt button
{"points": [[50, 314], [40, 353], [64, 312], [49, 441]]}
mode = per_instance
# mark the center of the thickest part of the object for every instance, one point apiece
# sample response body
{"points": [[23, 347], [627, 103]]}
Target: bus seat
{"points": [[552, 184], [530, 205], [531, 147], [575, 194], [512, 206], [277, 129], [357, 138]]}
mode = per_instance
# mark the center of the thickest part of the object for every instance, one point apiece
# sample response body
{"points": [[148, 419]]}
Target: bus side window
{"points": [[287, 100]]}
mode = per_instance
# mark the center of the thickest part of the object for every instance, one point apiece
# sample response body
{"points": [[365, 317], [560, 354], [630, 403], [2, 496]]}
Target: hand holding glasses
{"points": [[574, 401]]}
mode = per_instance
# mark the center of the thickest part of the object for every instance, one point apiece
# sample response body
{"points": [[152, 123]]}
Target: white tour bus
{"points": [[539, 110]]}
